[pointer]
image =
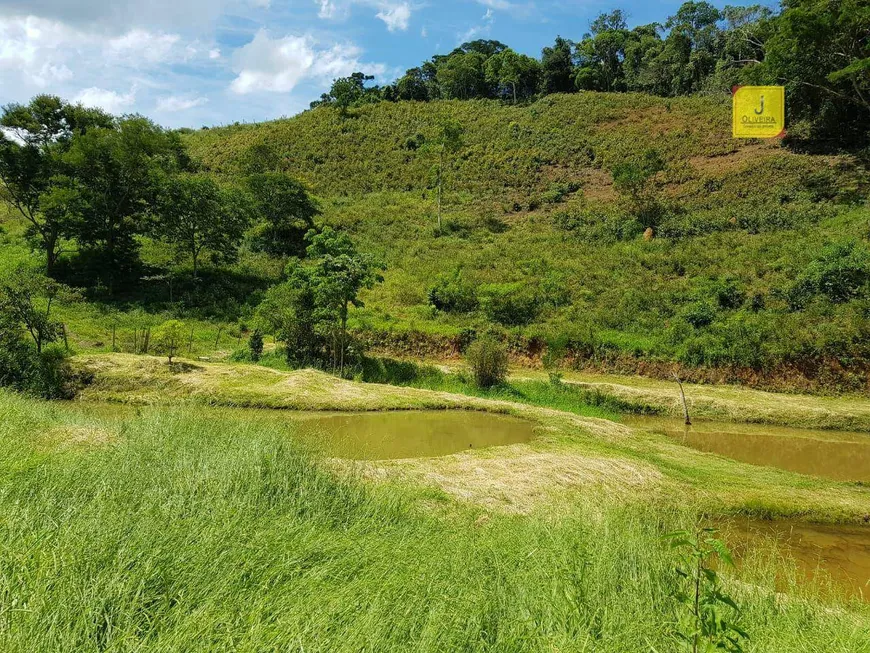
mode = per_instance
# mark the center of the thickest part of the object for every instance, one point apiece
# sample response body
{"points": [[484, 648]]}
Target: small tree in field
{"points": [[28, 298], [635, 181], [448, 141], [488, 360], [169, 338], [255, 345]]}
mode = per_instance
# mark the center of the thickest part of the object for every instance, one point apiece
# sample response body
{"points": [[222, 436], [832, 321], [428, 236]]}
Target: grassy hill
{"points": [[757, 271], [536, 235]]}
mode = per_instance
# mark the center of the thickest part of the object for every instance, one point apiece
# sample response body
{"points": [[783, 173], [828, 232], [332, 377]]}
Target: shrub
{"points": [[46, 374], [255, 345], [510, 304], [452, 294], [488, 360], [841, 273], [699, 314]]}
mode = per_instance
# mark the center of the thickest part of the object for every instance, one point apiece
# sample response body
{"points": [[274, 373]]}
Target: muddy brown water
{"points": [[836, 556], [837, 455], [409, 434]]}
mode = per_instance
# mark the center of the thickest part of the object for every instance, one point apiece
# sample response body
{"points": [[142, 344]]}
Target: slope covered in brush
{"points": [[754, 260]]}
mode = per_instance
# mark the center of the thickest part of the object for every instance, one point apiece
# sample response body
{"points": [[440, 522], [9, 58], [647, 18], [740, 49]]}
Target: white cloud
{"points": [[279, 65], [328, 8], [396, 17], [140, 46], [34, 51], [479, 30], [214, 53], [175, 103], [118, 16], [107, 100]]}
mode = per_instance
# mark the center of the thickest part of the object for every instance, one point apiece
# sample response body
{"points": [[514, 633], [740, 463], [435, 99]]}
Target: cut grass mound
{"points": [[187, 536], [572, 456], [727, 403]]}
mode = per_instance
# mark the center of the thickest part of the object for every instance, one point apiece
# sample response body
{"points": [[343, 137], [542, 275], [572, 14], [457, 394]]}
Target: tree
{"points": [[462, 76], [255, 345], [33, 138], [27, 299], [309, 311], [288, 312], [413, 85], [448, 141], [114, 175], [512, 73], [169, 337], [601, 52], [195, 215], [285, 214], [340, 272], [349, 92], [635, 180], [820, 51], [557, 67]]}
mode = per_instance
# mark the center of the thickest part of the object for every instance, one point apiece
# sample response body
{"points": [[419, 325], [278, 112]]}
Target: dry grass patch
{"points": [[519, 480]]}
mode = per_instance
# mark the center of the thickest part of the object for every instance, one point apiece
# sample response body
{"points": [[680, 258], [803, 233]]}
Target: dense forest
{"points": [[817, 49], [587, 208]]}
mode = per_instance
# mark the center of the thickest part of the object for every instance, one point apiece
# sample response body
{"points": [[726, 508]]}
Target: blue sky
{"points": [[208, 62]]}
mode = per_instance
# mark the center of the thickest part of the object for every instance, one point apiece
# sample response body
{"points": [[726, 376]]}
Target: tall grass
{"points": [[191, 533]]}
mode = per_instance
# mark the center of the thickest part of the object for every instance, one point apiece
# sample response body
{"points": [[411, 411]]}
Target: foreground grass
{"points": [[180, 530]]}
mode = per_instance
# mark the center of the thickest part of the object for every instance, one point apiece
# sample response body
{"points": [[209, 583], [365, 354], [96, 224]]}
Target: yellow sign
{"points": [[759, 111]]}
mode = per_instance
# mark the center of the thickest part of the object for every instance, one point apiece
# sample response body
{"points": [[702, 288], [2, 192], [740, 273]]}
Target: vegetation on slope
{"points": [[539, 241]]}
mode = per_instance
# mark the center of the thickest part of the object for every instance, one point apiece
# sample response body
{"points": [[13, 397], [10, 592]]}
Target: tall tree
{"points": [[116, 174], [820, 50], [33, 139], [557, 67], [462, 76], [195, 215], [513, 74], [601, 52], [447, 141], [340, 272], [285, 212]]}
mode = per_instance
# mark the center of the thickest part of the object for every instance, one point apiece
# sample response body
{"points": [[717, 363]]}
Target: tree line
{"points": [[818, 49], [91, 185]]}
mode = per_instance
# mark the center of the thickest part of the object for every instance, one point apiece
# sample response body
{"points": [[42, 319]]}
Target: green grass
{"points": [[588, 402], [196, 533]]}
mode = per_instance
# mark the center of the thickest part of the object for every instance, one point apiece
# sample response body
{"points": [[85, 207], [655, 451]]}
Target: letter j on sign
{"points": [[759, 111]]}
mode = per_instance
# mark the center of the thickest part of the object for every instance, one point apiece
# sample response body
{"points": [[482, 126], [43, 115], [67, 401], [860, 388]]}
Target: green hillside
{"points": [[756, 267]]}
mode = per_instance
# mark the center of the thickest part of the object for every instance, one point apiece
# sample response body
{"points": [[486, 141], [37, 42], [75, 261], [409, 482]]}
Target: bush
{"points": [[452, 294], [489, 362], [255, 345], [47, 374], [841, 273], [510, 304]]}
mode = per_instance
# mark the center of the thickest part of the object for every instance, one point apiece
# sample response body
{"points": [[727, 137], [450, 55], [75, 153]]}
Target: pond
{"points": [[836, 455], [408, 434], [838, 553]]}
